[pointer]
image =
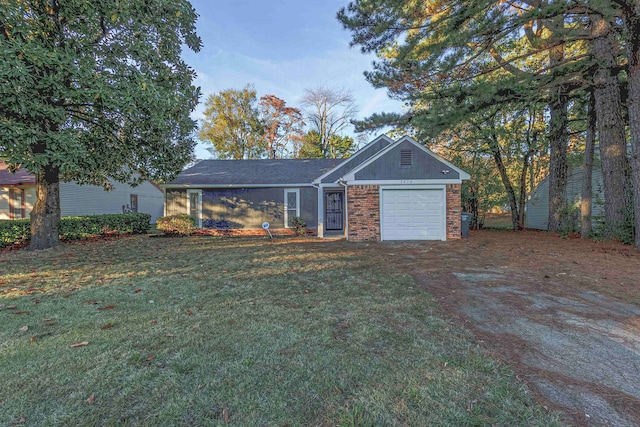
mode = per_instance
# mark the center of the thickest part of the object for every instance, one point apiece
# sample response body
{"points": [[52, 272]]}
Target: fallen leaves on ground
{"points": [[91, 399], [79, 344], [108, 307], [107, 326]]}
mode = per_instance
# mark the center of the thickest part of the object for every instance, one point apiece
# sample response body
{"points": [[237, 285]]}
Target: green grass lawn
{"points": [[210, 331]]}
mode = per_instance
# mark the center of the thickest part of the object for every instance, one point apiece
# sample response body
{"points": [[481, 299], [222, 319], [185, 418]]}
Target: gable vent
{"points": [[405, 158]]}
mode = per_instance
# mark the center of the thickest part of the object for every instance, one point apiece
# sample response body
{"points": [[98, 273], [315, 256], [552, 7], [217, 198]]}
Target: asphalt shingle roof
{"points": [[255, 172], [22, 176]]}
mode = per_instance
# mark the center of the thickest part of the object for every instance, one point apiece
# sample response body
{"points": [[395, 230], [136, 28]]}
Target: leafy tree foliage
{"points": [[452, 60], [94, 90], [282, 126], [335, 146], [232, 124]]}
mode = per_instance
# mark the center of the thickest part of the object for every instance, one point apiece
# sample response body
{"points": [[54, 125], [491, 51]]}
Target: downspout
{"points": [[320, 213], [342, 182], [164, 194]]}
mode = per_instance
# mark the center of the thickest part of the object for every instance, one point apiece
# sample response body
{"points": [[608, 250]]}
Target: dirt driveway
{"points": [[565, 314]]}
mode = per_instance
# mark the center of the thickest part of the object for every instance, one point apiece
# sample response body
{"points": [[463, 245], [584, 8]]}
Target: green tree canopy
{"points": [[336, 146], [94, 90], [450, 60], [232, 124]]}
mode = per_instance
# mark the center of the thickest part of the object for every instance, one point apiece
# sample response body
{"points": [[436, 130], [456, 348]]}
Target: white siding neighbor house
{"points": [[18, 195], [537, 207]]}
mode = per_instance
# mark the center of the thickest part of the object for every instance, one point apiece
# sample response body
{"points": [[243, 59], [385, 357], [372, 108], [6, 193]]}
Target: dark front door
{"points": [[334, 218]]}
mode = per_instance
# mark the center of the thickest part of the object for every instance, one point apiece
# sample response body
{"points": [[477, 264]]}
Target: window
{"points": [[292, 205], [194, 206], [16, 203], [406, 158], [133, 203]]}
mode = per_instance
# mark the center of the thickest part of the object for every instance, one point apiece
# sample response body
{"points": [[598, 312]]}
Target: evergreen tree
{"points": [[448, 61], [91, 91]]}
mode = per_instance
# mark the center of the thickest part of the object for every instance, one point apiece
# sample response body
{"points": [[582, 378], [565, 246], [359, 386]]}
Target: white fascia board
{"points": [[355, 155], [222, 186], [351, 175], [406, 182]]}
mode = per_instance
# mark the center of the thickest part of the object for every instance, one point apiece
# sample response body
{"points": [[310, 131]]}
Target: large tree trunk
{"points": [[558, 159], [633, 51], [557, 145], [504, 176], [586, 202], [45, 215], [611, 126], [523, 192]]}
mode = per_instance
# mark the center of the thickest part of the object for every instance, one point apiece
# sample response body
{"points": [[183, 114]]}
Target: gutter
{"points": [[344, 183]]}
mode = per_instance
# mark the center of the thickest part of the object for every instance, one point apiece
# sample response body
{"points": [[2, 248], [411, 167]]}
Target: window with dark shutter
{"points": [[405, 158]]}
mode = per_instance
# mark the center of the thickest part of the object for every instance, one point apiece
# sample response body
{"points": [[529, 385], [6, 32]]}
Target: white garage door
{"points": [[413, 215]]}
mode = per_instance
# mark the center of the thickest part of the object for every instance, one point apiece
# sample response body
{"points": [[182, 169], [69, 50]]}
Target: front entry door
{"points": [[334, 215]]}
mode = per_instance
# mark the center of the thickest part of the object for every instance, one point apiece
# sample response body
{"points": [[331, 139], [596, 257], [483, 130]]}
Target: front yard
{"points": [[209, 331]]}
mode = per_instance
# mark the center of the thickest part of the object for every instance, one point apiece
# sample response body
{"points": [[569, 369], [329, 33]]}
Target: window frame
{"points": [[17, 193], [287, 191], [133, 197], [199, 212]]}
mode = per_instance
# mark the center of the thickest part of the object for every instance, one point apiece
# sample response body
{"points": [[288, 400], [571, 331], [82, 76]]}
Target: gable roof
{"points": [[351, 174], [359, 157], [21, 176], [246, 173]]}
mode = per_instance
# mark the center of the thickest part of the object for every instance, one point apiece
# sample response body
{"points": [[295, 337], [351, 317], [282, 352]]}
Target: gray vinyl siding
{"points": [[537, 207], [176, 202], [424, 166], [363, 155], [78, 200], [250, 207]]}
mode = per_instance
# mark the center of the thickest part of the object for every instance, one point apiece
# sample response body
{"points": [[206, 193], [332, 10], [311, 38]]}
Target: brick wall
{"points": [[454, 208], [364, 212], [363, 208]]}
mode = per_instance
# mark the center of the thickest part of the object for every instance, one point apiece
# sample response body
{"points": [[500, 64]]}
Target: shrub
{"points": [[299, 224], [78, 227], [81, 227], [14, 232], [180, 225]]}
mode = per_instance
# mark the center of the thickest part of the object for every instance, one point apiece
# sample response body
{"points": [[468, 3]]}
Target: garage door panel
{"points": [[413, 214]]}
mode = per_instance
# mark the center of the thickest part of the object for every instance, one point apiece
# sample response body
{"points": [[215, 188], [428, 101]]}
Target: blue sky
{"points": [[282, 47]]}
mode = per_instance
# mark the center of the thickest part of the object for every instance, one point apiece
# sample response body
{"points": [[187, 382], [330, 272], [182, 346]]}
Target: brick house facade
{"points": [[363, 212]]}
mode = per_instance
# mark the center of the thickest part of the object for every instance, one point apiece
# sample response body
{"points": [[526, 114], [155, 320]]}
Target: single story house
{"points": [[537, 205], [388, 190], [18, 195]]}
